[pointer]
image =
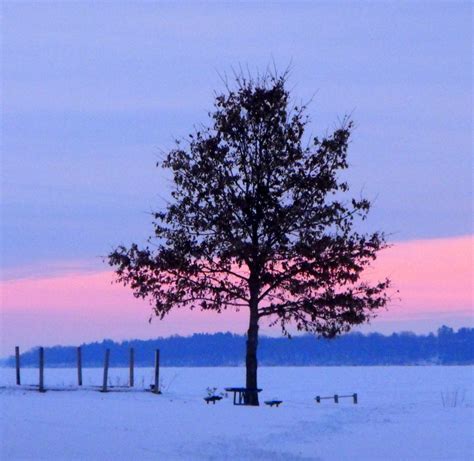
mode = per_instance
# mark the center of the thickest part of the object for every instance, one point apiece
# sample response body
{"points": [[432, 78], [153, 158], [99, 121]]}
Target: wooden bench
{"points": [[272, 403], [241, 394], [336, 398], [213, 399]]}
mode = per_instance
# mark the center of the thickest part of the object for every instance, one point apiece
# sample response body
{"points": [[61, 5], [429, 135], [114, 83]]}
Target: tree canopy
{"points": [[260, 219]]}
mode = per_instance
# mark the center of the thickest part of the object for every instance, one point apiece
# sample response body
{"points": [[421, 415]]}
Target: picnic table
{"points": [[241, 393]]}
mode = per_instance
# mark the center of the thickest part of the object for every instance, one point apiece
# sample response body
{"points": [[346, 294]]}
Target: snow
{"points": [[400, 415]]}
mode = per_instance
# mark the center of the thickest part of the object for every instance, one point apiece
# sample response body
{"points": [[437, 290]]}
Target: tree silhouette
{"points": [[259, 220]]}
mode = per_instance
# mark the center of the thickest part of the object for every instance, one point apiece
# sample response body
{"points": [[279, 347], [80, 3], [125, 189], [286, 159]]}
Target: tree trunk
{"points": [[251, 398]]}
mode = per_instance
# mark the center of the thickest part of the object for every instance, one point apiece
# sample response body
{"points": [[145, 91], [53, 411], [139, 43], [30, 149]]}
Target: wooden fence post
{"points": [[41, 369], [106, 370], [336, 399], [156, 388], [132, 364], [17, 364], [79, 366], [355, 398]]}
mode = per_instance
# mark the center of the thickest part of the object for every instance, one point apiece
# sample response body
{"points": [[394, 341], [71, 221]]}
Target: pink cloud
{"points": [[434, 277]]}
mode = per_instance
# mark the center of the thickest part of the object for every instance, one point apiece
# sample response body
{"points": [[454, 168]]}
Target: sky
{"points": [[91, 92]]}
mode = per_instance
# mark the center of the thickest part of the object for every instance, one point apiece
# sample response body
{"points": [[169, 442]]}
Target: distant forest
{"points": [[446, 347]]}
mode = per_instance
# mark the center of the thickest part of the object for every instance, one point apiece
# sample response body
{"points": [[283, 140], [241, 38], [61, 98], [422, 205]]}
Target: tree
{"points": [[259, 220]]}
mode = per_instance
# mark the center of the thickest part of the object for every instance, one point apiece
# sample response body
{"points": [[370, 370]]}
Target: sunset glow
{"points": [[434, 278]]}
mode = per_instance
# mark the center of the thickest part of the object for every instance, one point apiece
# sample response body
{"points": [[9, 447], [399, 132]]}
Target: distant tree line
{"points": [[446, 347]]}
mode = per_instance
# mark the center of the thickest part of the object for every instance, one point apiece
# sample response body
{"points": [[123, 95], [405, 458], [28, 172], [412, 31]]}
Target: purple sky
{"points": [[92, 91]]}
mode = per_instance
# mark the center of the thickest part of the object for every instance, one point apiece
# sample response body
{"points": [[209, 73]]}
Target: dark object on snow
{"points": [[156, 387], [272, 403], [336, 398], [41, 370], [243, 395], [106, 370], [79, 366], [131, 371], [154, 390], [17, 365], [213, 399]]}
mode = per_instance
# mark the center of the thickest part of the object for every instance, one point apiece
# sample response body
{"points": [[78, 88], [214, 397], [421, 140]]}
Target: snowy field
{"points": [[400, 416]]}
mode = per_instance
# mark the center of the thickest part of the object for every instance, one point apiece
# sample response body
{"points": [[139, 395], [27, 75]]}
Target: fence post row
{"points": [[17, 365], [156, 386], [106, 370]]}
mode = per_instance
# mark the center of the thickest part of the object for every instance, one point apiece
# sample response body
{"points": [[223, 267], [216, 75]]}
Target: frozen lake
{"points": [[403, 413]]}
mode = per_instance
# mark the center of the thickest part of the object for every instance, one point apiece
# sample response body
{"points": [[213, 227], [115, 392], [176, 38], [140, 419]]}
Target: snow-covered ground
{"points": [[400, 416]]}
